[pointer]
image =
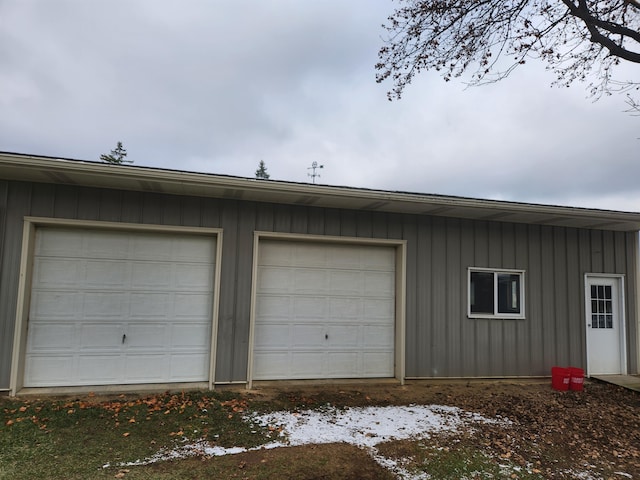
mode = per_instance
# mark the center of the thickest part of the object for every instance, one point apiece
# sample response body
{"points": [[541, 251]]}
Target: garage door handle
{"points": [[124, 337]]}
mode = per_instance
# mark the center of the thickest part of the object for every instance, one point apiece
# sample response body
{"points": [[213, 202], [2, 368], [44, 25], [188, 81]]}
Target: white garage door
{"points": [[324, 311], [115, 307]]}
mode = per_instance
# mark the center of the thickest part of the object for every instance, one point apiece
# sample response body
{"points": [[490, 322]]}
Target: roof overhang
{"points": [[147, 179]]}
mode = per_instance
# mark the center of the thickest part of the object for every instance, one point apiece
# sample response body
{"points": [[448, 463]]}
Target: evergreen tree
{"points": [[117, 156], [261, 172]]}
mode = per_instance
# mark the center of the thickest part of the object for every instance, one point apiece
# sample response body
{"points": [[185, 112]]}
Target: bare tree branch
{"points": [[578, 39]]}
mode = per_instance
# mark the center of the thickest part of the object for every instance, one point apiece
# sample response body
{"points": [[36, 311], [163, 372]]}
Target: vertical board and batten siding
{"points": [[441, 340]]}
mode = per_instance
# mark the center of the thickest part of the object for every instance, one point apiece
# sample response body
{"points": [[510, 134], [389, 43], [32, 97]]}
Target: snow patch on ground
{"points": [[364, 427]]}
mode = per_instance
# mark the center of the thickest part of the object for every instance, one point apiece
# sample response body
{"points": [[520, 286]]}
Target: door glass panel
{"points": [[601, 306]]}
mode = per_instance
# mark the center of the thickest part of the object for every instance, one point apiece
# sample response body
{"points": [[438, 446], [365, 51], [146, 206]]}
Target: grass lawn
{"points": [[91, 437], [75, 439]]}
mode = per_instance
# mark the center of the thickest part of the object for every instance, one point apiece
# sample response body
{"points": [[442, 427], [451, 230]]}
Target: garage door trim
{"points": [[31, 224], [400, 287]]}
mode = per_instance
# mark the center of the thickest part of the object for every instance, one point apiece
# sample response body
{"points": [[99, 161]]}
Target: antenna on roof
{"points": [[313, 167]]}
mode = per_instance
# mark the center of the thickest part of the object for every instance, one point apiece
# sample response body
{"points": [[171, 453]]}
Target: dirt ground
{"points": [[555, 433]]}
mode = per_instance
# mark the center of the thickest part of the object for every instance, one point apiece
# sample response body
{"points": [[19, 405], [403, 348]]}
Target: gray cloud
{"points": [[217, 86]]}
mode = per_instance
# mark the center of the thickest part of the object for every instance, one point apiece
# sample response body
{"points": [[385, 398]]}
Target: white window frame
{"points": [[495, 313]]}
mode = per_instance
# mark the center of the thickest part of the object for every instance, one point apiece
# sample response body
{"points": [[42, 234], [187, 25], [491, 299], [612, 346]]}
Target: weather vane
{"points": [[314, 166]]}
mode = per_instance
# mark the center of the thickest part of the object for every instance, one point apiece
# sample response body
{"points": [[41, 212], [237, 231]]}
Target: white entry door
{"points": [[606, 353]]}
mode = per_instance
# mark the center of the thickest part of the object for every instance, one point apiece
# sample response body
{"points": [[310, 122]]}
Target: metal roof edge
{"points": [[93, 173]]}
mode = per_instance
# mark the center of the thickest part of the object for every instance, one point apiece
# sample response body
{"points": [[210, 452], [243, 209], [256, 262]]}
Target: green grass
{"points": [[74, 439], [445, 458]]}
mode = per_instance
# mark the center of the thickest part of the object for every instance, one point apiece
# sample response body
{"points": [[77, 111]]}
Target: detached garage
{"points": [[325, 310], [117, 276]]}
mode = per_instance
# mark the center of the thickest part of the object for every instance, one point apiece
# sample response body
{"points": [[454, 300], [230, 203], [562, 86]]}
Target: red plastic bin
{"points": [[576, 378], [560, 377]]}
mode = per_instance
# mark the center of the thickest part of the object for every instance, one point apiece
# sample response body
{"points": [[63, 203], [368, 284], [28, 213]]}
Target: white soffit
{"points": [[147, 179]]}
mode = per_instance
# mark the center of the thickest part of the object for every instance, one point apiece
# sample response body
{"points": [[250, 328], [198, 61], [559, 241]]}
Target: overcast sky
{"points": [[218, 85]]}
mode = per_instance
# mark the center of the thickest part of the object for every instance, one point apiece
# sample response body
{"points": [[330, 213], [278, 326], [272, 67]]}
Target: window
{"points": [[496, 293]]}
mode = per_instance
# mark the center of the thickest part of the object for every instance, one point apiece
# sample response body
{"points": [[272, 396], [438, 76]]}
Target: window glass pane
{"points": [[607, 291], [508, 293], [481, 293], [594, 306], [609, 321], [600, 291], [594, 291], [594, 321]]}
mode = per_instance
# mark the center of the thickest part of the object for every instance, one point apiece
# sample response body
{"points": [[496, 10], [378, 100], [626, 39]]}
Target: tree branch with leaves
{"points": [[580, 40]]}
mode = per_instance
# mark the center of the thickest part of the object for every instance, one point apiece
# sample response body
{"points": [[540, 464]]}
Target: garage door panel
{"points": [[99, 369], [187, 306], [278, 254], [51, 336], [105, 274], [102, 305], [141, 367], [188, 367], [152, 275], [192, 250], [378, 284], [309, 307], [308, 336], [155, 288], [341, 364], [193, 336], [151, 248], [277, 306], [375, 363], [343, 257], [304, 362], [148, 304], [49, 370], [346, 308], [54, 304], [58, 243], [345, 282], [308, 256], [272, 336], [343, 336], [94, 336], [307, 280], [315, 304], [190, 276], [146, 336], [275, 280], [378, 336], [56, 272], [105, 245], [272, 365], [378, 310]]}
